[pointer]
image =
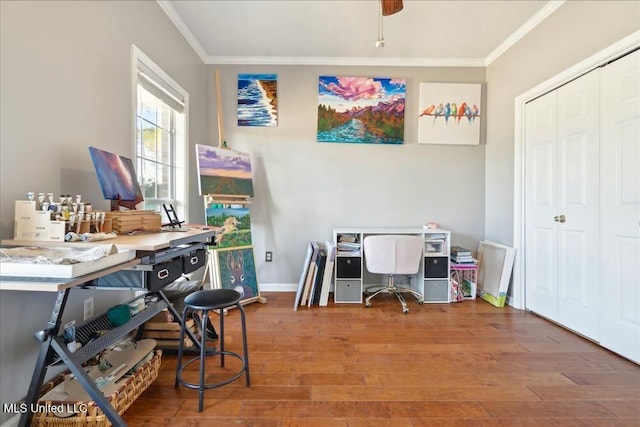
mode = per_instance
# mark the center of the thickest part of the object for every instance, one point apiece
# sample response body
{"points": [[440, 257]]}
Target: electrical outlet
{"points": [[268, 256], [88, 308]]}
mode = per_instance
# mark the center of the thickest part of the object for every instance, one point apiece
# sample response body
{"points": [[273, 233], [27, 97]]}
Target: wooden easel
{"points": [[223, 199]]}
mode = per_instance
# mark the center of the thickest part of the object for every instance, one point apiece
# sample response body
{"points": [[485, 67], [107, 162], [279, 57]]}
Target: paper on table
{"points": [[55, 255]]}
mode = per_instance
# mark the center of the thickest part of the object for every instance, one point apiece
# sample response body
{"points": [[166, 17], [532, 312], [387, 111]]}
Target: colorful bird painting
{"points": [[463, 106], [438, 112], [451, 109], [447, 112], [427, 111], [467, 112]]}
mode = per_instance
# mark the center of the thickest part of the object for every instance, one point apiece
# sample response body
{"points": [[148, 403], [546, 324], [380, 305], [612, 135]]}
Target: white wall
{"points": [[66, 84], [303, 189]]}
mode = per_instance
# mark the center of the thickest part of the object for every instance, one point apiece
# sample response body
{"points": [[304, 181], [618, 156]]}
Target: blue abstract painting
{"points": [[257, 100]]}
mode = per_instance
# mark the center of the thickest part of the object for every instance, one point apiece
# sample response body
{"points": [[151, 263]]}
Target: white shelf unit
{"points": [[348, 266], [437, 282], [352, 277]]}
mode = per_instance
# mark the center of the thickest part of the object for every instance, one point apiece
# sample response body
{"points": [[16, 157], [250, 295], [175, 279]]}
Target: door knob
{"points": [[559, 218]]}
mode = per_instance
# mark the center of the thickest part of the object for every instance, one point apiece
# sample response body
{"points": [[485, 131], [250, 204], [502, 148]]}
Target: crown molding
{"points": [[534, 21], [183, 28], [518, 34], [346, 61]]}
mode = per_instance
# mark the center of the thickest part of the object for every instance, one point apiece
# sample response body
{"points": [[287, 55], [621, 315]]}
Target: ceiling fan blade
{"points": [[389, 7]]}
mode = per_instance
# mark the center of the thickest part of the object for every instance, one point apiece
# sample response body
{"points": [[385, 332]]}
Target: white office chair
{"points": [[393, 254]]}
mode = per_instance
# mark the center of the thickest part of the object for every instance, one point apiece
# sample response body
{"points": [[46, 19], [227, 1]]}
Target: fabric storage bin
{"points": [[193, 261], [348, 267], [152, 277], [348, 291], [436, 267]]}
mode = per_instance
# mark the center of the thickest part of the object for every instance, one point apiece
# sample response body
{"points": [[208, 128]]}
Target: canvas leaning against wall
{"points": [[223, 171], [257, 100], [237, 270], [449, 113], [361, 110]]}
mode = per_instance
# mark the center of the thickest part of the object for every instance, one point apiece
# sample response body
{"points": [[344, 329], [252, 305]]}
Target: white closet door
{"points": [[578, 204], [541, 206], [562, 205], [620, 211]]}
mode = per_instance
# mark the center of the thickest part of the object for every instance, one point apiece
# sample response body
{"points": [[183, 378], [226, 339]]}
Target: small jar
{"points": [[134, 308]]}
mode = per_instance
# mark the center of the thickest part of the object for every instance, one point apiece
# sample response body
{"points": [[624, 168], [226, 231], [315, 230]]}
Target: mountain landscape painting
{"points": [[361, 110], [223, 171]]}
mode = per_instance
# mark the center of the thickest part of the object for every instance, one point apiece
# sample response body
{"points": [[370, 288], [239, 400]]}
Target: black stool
{"points": [[205, 301]]}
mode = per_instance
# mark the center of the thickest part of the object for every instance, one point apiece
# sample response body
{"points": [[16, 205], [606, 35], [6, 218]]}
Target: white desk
{"points": [[431, 280]]}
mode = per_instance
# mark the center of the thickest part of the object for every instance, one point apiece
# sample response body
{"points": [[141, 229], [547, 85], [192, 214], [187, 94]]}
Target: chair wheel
{"points": [[405, 311], [420, 302], [368, 305]]}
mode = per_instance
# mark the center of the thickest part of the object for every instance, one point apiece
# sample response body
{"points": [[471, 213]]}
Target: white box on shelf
{"points": [[23, 219]]}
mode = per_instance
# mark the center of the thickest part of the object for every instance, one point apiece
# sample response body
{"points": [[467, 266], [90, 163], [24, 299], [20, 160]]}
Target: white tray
{"points": [[24, 269]]}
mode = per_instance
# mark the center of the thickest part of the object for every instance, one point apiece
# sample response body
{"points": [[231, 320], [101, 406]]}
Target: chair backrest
{"points": [[393, 254]]}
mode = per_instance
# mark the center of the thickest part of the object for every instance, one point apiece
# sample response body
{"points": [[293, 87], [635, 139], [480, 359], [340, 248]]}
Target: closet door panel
{"points": [[620, 208], [541, 206], [578, 204]]}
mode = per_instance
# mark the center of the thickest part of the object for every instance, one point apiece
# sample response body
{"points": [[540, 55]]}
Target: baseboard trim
{"points": [[278, 287]]}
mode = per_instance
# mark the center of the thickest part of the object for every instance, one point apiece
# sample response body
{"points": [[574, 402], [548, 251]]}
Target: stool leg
{"points": [[221, 337], [180, 344], [203, 346], [244, 345]]}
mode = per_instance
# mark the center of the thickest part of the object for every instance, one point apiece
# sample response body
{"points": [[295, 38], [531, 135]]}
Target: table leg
{"points": [[44, 357]]}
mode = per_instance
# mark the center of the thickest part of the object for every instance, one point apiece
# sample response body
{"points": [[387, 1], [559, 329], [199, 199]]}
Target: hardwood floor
{"points": [[464, 364]]}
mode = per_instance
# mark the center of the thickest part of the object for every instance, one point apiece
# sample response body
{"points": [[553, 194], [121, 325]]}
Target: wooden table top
{"points": [[147, 242], [141, 241]]}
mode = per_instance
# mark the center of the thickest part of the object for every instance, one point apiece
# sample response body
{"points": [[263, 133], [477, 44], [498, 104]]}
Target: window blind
{"points": [[155, 85]]}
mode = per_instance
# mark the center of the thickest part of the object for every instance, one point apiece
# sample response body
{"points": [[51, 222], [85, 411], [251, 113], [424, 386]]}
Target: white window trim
{"points": [[181, 156]]}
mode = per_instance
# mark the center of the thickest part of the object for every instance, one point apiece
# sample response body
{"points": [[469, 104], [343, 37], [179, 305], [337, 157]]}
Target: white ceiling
{"points": [[344, 32]]}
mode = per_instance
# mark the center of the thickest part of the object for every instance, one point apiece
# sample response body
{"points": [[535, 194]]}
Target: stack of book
{"points": [[460, 255], [348, 244]]}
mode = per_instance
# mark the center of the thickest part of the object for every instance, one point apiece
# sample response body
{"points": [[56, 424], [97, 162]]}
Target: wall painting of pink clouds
{"points": [[449, 113], [223, 171], [361, 110]]}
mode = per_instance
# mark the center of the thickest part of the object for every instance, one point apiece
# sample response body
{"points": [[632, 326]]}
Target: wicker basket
{"points": [[131, 388]]}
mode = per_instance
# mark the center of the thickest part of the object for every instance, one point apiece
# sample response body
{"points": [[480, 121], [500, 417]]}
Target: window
{"points": [[160, 138]]}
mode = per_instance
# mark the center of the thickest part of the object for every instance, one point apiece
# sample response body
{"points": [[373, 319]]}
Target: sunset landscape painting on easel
{"points": [[223, 171]]}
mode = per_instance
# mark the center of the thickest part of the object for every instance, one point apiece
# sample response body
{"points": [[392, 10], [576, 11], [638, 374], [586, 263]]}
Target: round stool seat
{"points": [[204, 301], [212, 299]]}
